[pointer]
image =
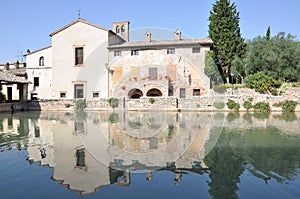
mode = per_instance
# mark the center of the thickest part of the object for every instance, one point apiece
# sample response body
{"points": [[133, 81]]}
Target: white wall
{"points": [[93, 73], [44, 90]]}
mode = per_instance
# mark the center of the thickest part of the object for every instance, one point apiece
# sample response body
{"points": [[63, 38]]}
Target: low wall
{"points": [[202, 103]]}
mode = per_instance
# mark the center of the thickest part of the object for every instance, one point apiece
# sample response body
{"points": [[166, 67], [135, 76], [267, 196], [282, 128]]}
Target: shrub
{"points": [[220, 88], [113, 102], [232, 105], [80, 105], [151, 100], [2, 97], [67, 105], [260, 82], [262, 107], [248, 103], [219, 105], [288, 106]]}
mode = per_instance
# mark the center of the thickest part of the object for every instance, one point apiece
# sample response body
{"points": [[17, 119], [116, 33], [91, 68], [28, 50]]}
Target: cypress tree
{"points": [[225, 33], [268, 34]]}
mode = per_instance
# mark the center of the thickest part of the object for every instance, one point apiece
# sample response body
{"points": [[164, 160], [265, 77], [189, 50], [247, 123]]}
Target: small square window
{"points": [[196, 50], [134, 52], [63, 94], [171, 51], [196, 92], [117, 53], [96, 94]]}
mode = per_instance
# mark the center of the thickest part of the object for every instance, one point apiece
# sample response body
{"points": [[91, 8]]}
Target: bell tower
{"points": [[121, 28]]}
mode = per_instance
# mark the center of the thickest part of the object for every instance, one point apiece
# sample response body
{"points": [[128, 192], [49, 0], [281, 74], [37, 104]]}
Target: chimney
{"points": [[148, 36], [177, 35]]}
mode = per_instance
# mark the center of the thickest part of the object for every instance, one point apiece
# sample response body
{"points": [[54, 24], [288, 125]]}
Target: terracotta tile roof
{"points": [[76, 21], [8, 76], [163, 43]]}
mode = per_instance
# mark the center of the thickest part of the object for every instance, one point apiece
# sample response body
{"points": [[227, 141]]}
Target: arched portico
{"points": [[135, 93], [154, 92]]}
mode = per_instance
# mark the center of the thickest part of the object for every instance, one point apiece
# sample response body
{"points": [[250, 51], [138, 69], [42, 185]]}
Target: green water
{"points": [[149, 155]]}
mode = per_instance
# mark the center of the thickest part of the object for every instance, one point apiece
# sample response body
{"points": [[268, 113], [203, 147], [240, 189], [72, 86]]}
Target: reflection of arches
{"points": [[135, 93], [154, 92]]}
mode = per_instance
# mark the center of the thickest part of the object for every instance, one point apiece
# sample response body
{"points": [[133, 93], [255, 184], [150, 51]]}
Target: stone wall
{"points": [[202, 103]]}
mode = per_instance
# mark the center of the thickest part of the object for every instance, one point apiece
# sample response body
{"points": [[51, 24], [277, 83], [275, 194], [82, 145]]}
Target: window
{"points": [[171, 51], [153, 73], [171, 90], [96, 94], [78, 55], [182, 93], [134, 52], [122, 30], [78, 91], [63, 94], [196, 50], [42, 61], [117, 53], [118, 30], [80, 158], [36, 81], [196, 92]]}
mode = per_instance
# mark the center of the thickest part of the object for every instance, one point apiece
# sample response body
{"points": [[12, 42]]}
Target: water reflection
{"points": [[91, 150]]}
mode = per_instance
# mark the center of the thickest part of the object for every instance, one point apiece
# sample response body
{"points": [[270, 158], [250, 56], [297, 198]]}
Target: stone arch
{"points": [[154, 92], [135, 93]]}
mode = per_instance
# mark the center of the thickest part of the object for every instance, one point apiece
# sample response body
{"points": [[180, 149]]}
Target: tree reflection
{"points": [[225, 168], [265, 152]]}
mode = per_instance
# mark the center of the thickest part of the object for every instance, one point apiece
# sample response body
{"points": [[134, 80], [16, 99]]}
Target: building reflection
{"points": [[89, 151]]}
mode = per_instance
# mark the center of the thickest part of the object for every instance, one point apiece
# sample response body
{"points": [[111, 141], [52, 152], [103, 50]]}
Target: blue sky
{"points": [[27, 24]]}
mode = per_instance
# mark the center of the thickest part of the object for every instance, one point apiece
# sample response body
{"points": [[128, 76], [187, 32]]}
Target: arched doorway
{"points": [[135, 93], [154, 92]]}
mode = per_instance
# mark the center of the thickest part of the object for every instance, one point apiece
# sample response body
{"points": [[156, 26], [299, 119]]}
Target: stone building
{"points": [[91, 62], [158, 67]]}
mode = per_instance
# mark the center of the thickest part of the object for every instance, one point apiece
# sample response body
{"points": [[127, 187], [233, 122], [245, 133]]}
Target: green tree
{"points": [[211, 69], [278, 57], [225, 33], [268, 34]]}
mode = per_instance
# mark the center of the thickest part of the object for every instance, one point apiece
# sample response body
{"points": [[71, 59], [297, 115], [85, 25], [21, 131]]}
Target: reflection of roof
{"points": [[163, 43], [11, 76], [76, 21]]}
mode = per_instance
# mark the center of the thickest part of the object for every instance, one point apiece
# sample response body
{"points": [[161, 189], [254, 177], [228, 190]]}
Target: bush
{"points": [[232, 105], [288, 106], [248, 104], [113, 102], [151, 100], [219, 105], [80, 105], [262, 107], [220, 88], [2, 97], [260, 82]]}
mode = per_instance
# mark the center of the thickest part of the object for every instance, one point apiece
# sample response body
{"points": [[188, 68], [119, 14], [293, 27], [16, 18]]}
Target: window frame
{"points": [[134, 52], [63, 93], [182, 93], [42, 61], [83, 84], [170, 51], [36, 81], [77, 63], [196, 91], [117, 53], [196, 50]]}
